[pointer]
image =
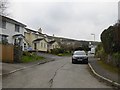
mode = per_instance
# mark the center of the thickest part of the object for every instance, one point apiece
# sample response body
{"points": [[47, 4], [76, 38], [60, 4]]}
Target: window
{"points": [[17, 28], [4, 24], [41, 44], [53, 46], [18, 41], [44, 45], [35, 46], [4, 39]]}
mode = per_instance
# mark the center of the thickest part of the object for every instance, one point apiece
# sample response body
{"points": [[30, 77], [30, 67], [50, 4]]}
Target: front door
{"points": [[35, 46]]}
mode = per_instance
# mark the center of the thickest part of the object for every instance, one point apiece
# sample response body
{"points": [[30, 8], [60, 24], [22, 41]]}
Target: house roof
{"points": [[4, 35], [12, 21], [31, 30], [17, 35], [51, 42], [39, 39], [36, 32]]}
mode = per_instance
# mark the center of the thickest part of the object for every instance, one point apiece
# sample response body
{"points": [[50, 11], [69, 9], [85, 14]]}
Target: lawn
{"points": [[31, 58], [108, 67]]}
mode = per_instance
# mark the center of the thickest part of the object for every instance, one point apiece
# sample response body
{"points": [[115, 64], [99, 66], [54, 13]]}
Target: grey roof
{"points": [[4, 35], [39, 39], [16, 35], [12, 21], [30, 30], [51, 42]]}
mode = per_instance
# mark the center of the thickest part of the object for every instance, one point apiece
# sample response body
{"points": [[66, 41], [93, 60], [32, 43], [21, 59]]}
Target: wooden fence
{"points": [[7, 53]]}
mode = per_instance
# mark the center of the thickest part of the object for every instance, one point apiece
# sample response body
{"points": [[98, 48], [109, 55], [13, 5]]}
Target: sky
{"points": [[75, 19]]}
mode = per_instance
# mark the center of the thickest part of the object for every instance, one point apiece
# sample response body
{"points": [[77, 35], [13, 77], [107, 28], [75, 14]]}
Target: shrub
{"points": [[116, 58], [26, 53], [18, 53], [110, 39], [57, 51], [60, 54]]}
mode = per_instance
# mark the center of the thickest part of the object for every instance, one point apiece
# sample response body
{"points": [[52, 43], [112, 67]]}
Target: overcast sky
{"points": [[67, 18]]}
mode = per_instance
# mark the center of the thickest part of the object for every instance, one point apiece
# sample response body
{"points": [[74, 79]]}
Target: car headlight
{"points": [[85, 57], [74, 57]]}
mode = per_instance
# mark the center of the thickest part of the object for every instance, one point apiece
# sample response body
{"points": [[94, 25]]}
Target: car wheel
{"points": [[73, 62], [86, 62]]}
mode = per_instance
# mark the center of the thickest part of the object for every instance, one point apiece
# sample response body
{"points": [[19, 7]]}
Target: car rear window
{"points": [[79, 53]]}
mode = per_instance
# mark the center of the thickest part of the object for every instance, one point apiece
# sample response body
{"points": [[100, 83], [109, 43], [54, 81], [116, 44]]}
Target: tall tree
{"points": [[3, 7]]}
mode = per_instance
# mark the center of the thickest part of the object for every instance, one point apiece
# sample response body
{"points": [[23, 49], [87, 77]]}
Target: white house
{"points": [[40, 44], [12, 31]]}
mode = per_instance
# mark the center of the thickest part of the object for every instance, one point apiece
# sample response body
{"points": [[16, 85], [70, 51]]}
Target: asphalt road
{"points": [[57, 74]]}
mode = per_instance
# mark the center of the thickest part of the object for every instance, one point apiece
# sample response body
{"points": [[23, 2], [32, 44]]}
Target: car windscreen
{"points": [[79, 53]]}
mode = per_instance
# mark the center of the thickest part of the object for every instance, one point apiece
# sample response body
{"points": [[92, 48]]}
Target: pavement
{"points": [[7, 68], [114, 77]]}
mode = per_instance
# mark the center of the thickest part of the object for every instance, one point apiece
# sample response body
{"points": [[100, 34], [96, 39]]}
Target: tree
{"points": [[111, 39], [3, 7]]}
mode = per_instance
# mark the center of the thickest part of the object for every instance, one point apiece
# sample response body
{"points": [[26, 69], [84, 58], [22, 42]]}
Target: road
{"points": [[57, 74]]}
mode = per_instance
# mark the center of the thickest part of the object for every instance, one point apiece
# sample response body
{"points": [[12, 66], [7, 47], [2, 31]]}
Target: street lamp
{"points": [[94, 36]]}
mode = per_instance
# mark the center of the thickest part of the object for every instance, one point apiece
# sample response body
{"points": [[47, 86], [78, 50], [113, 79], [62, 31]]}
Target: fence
{"points": [[7, 53]]}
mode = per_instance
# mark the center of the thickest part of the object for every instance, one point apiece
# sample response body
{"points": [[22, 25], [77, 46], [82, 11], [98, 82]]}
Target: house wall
{"points": [[30, 37], [10, 31], [33, 37]]}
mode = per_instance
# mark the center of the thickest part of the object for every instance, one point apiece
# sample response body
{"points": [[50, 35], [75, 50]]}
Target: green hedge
{"points": [[57, 51], [109, 50], [111, 39]]}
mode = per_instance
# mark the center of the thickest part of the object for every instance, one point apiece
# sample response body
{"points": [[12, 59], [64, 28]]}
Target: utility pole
{"points": [[94, 36]]}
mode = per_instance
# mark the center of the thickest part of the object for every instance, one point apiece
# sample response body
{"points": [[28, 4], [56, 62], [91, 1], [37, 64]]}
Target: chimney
{"points": [[40, 30], [53, 35]]}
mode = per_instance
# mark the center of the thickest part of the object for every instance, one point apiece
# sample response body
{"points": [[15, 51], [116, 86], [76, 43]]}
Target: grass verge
{"points": [[31, 58], [108, 67]]}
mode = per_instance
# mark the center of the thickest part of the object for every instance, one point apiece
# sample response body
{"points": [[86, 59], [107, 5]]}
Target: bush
{"points": [[110, 50], [116, 58], [26, 53], [60, 54], [110, 39], [57, 51], [27, 57], [100, 52], [18, 53], [116, 55]]}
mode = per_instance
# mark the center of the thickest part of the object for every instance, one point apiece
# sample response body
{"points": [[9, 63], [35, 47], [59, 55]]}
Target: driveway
{"points": [[57, 74]]}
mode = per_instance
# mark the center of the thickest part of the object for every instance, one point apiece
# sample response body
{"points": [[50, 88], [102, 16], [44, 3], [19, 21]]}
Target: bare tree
{"points": [[3, 7]]}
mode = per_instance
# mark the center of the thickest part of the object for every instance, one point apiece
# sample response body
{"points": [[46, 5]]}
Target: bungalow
{"points": [[40, 44], [52, 45], [12, 31]]}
